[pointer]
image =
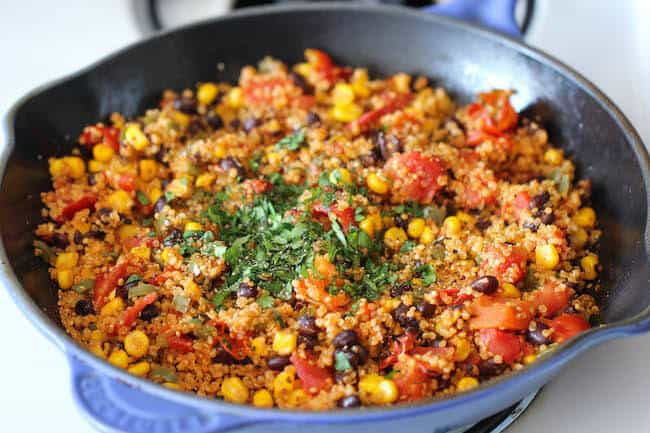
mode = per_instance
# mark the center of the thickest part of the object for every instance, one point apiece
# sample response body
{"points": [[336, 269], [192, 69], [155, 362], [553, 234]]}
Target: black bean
{"points": [[277, 363], [429, 342], [235, 123], [174, 237], [214, 120], [399, 289], [400, 312], [387, 145], [78, 238], [362, 353], [229, 163], [223, 356], [247, 290], [486, 284], [345, 338], [122, 292], [348, 402], [91, 179], [59, 240], [250, 124], [160, 204], [309, 341], [307, 325], [482, 224], [411, 325], [104, 211], [312, 118], [300, 82], [97, 234], [194, 127], [186, 105], [531, 225], [538, 201], [84, 307], [401, 221], [489, 368], [547, 218], [537, 336], [426, 309], [149, 312]]}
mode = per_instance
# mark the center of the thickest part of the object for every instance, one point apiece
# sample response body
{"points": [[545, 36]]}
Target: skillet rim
{"points": [[546, 364]]}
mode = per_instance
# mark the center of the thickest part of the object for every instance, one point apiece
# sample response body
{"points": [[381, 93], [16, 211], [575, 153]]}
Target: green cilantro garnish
{"points": [[427, 273], [169, 196], [133, 279], [407, 246], [265, 301], [341, 362], [142, 198], [292, 142]]}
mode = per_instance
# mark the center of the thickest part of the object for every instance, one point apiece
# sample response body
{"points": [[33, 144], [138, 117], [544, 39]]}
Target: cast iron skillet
{"points": [[462, 57]]}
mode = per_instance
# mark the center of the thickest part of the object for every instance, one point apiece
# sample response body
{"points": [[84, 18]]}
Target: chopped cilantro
{"points": [[142, 198], [407, 246], [133, 279], [292, 142], [265, 301], [341, 362], [169, 196], [427, 273], [219, 299]]}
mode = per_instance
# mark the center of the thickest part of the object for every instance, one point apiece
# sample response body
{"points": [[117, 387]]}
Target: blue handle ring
{"points": [[494, 14]]}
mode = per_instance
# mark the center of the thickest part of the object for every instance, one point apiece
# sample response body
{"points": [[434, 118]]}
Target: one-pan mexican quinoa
{"points": [[313, 238]]}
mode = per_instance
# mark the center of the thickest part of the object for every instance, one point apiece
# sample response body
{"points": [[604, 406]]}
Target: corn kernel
{"points": [[368, 226], [274, 158], [529, 359], [579, 238], [140, 368], [119, 358], [220, 151], [546, 256], [284, 343], [103, 153], [112, 307], [97, 336], [262, 398], [205, 180], [192, 290], [193, 226], [510, 290], [585, 217], [341, 176], [206, 93], [427, 236], [467, 383], [452, 225], [259, 346], [347, 112], [235, 97], [57, 167], [416, 228], [402, 82], [463, 349], [127, 231], [375, 389], [142, 251], [234, 390], [395, 237], [98, 350], [377, 184], [553, 156], [588, 265], [67, 260], [303, 69], [181, 119], [171, 385], [120, 201], [342, 94], [465, 217], [76, 166], [361, 88], [180, 187], [170, 257], [297, 397], [65, 278], [96, 166], [148, 169], [134, 136], [136, 343], [284, 382]]}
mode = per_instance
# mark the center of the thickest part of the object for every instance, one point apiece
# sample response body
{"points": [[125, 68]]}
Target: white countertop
{"points": [[605, 390]]}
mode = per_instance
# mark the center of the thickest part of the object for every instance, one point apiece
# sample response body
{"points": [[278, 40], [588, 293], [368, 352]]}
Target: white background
{"points": [[605, 390]]}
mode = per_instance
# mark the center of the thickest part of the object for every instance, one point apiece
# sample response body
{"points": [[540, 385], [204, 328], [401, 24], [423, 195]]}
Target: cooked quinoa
{"points": [[313, 238]]}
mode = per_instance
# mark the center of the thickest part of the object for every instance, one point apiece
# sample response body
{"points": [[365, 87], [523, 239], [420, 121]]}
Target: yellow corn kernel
{"points": [[510, 290], [142, 251], [140, 368], [119, 358], [579, 238], [360, 83], [395, 237], [297, 397], [416, 228], [262, 398], [368, 226], [97, 349], [341, 176], [155, 194], [181, 119], [57, 167], [585, 217], [467, 383], [148, 169], [170, 256], [402, 82], [553, 156], [284, 382], [206, 93], [193, 226], [235, 97], [134, 136], [97, 337], [181, 187], [103, 153], [452, 225], [529, 359], [205, 180], [220, 151], [427, 236], [234, 390], [136, 343], [192, 290], [171, 385], [96, 166], [120, 201], [463, 349], [465, 217], [67, 260], [588, 265], [347, 112], [284, 342], [259, 346], [76, 166], [112, 307], [303, 69], [546, 256], [377, 221], [65, 278], [375, 389], [127, 231], [342, 94], [377, 184]]}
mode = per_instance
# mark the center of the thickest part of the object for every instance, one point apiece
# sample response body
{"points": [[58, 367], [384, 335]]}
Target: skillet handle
{"points": [[494, 14], [115, 407]]}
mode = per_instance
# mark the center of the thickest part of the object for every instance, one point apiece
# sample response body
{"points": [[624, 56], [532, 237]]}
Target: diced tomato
{"points": [[502, 343], [506, 117], [112, 137], [85, 202], [507, 264], [126, 182], [414, 176], [497, 125], [366, 120], [259, 186], [489, 312], [522, 200], [136, 241], [477, 189], [133, 312], [261, 90], [313, 377], [554, 298], [95, 134], [324, 66], [344, 215], [180, 343], [107, 282], [315, 290], [566, 326], [318, 59], [411, 379], [401, 345]]}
